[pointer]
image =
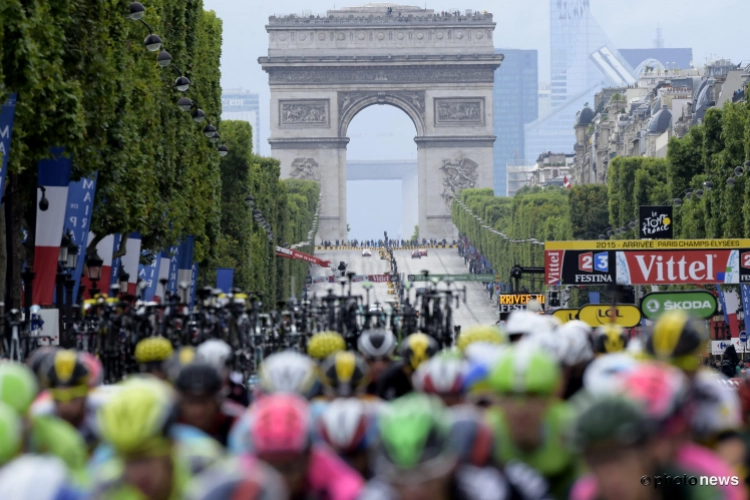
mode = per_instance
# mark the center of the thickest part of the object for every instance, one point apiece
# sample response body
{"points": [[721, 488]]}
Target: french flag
{"points": [[54, 176], [105, 249], [566, 182], [131, 259]]}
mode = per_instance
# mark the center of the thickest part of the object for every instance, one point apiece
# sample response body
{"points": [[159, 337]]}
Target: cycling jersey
{"points": [[394, 383], [703, 461], [229, 413]]}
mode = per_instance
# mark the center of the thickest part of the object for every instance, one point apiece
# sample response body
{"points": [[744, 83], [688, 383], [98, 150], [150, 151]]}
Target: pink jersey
{"points": [[702, 461]]}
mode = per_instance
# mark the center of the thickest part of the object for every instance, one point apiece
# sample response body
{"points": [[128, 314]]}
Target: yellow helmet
{"points": [[678, 339], [344, 374], [417, 348], [153, 349], [323, 344], [479, 333], [610, 338]]}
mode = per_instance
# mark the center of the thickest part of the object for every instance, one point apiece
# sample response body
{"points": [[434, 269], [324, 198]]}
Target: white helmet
{"points": [[288, 372], [34, 476], [442, 374], [525, 322], [604, 376], [214, 352], [549, 342], [717, 405], [346, 425], [484, 353], [575, 335]]}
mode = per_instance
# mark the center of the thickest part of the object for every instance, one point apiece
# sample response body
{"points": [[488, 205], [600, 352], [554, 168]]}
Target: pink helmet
{"points": [[96, 371], [280, 424], [660, 388]]}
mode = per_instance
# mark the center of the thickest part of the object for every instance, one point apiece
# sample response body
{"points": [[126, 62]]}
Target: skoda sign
{"points": [[698, 303]]}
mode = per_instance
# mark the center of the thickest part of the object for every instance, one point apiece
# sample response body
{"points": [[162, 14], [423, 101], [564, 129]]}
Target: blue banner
{"points": [[723, 305], [116, 263], [150, 274], [595, 297], [78, 220], [7, 113], [745, 289], [193, 283], [173, 254], [225, 279]]}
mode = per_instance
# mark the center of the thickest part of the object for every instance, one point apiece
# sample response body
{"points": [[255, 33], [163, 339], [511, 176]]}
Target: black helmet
{"points": [[199, 378]]}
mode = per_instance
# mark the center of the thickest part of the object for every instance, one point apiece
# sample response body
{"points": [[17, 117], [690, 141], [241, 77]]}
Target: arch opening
{"points": [[381, 170]]}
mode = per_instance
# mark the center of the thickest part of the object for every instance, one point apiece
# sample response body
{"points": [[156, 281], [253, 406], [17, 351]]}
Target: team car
{"points": [[416, 254], [366, 252], [423, 252]]}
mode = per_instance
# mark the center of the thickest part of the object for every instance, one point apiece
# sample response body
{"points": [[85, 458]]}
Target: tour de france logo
{"points": [[656, 223]]}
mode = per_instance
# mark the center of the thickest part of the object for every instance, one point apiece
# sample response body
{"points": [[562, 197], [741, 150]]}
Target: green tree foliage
{"points": [[589, 214], [632, 182], [415, 234]]}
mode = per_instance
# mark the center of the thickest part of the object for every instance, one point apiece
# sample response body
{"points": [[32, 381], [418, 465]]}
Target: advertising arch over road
{"points": [[439, 69]]}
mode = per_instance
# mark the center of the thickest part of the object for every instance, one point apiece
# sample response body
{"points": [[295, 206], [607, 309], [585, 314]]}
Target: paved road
{"points": [[478, 308]]}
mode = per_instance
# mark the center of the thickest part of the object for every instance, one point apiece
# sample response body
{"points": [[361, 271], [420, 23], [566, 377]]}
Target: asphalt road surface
{"points": [[477, 309]]}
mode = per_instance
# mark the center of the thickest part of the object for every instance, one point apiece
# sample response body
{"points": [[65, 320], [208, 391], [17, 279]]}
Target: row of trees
{"points": [[85, 82]]}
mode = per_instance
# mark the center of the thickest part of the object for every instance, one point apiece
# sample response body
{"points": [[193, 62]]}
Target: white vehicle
{"points": [[366, 252], [416, 254]]}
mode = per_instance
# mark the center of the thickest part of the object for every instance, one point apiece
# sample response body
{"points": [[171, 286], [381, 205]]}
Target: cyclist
{"points": [[233, 479], [605, 375], [480, 333], [418, 457], [323, 344], [415, 350], [679, 340], [576, 355], [280, 434], [219, 354], [136, 422], [344, 375], [11, 434], [184, 356], [609, 339], [444, 376], [38, 478], [202, 403], [377, 348], [348, 427], [522, 323], [529, 420], [151, 353]]}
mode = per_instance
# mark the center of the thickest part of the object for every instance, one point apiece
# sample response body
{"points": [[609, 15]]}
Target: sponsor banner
{"points": [[174, 258], [480, 278], [656, 222], [745, 292], [739, 346], [78, 219], [674, 268], [727, 244], [697, 303], [359, 278], [289, 253], [225, 279], [598, 315], [149, 274], [7, 114], [509, 302], [718, 346], [565, 315], [575, 267]]}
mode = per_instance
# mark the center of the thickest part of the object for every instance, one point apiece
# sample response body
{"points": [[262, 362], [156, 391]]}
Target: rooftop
{"points": [[379, 13]]}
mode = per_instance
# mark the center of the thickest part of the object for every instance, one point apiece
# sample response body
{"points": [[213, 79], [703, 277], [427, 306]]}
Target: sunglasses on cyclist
{"points": [[64, 394]]}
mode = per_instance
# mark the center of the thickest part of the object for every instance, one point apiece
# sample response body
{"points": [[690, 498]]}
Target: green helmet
{"points": [[414, 429], [611, 418], [18, 386], [525, 369], [11, 433]]}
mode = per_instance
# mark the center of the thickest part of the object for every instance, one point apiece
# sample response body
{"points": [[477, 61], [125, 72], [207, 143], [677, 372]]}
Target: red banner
{"points": [[681, 267], [374, 278], [288, 253]]}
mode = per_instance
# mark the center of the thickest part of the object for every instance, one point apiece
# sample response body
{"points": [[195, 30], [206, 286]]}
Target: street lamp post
{"points": [[62, 260], [123, 280], [28, 282], [94, 272], [69, 266]]}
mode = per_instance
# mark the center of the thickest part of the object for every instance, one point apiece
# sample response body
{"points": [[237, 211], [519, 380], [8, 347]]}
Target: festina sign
{"points": [[575, 267], [656, 222], [674, 268]]}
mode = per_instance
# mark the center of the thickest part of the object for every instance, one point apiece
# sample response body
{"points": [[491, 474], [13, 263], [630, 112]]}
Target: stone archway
{"points": [[438, 69]]}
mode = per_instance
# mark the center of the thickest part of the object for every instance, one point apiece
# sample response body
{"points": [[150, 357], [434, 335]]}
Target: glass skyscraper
{"points": [[583, 61], [516, 103]]}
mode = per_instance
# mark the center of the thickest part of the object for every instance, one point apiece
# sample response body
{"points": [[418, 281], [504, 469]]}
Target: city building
{"points": [[545, 99], [238, 104], [518, 174], [551, 169], [658, 58], [583, 61], [516, 103]]}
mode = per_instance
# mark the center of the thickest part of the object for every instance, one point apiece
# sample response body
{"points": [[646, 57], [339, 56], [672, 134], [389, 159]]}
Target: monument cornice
{"points": [[455, 141], [417, 59], [308, 142], [291, 21]]}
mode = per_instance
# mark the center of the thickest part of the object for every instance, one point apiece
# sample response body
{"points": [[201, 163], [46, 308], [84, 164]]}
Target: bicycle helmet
{"points": [[344, 374], [38, 359], [612, 418], [11, 433], [441, 375], [524, 323], [153, 350], [417, 348], [180, 359], [347, 426], [610, 338], [95, 368], [551, 343], [376, 344], [215, 352], [716, 408], [479, 333], [288, 372], [199, 378], [41, 477], [578, 349], [414, 433], [678, 339], [136, 419], [471, 436], [606, 374], [525, 369], [280, 423], [18, 387], [65, 369], [661, 389], [323, 344]]}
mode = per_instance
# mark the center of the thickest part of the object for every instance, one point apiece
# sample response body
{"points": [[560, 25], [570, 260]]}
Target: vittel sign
{"points": [[685, 267]]}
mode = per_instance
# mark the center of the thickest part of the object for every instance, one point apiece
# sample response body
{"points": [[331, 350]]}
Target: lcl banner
{"points": [[647, 262]]}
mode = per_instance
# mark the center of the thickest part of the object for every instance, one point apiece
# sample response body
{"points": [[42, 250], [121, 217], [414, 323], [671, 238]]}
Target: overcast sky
{"points": [[713, 29]]}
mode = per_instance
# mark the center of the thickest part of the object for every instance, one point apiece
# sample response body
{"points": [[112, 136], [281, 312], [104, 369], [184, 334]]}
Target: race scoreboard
{"points": [[509, 302]]}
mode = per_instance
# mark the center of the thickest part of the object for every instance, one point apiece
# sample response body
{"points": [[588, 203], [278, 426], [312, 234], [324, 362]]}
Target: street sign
{"points": [[739, 346], [697, 303], [565, 315], [508, 302], [480, 278], [743, 337], [598, 315]]}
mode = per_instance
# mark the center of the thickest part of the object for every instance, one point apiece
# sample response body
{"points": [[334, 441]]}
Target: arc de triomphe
{"points": [[438, 68]]}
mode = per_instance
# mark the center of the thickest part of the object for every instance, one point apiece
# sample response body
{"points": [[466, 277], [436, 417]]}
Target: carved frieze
{"points": [[458, 173], [305, 169], [413, 99], [459, 112], [304, 113], [374, 75]]}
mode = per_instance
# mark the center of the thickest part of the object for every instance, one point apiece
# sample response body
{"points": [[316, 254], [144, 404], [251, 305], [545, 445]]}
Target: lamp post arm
{"points": [[150, 30]]}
